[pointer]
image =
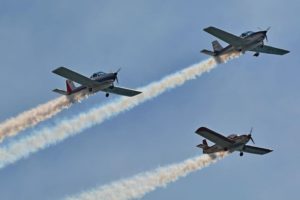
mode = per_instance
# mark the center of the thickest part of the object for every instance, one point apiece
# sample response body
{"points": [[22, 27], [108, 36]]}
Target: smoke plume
{"points": [[32, 117], [141, 184]]}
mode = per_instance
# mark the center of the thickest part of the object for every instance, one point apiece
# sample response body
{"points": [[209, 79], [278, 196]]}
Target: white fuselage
{"points": [[238, 144], [251, 42], [105, 80]]}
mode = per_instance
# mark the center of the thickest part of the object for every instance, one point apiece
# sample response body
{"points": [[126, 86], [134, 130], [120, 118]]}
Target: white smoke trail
{"points": [[69, 127], [30, 118], [141, 184]]}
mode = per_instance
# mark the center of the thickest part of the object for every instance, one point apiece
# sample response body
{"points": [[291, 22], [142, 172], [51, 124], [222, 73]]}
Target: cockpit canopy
{"points": [[97, 74], [232, 136], [245, 34]]}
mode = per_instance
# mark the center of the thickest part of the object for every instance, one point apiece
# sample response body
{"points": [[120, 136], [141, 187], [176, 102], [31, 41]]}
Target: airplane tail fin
{"points": [[70, 86], [216, 46], [204, 145], [207, 52]]}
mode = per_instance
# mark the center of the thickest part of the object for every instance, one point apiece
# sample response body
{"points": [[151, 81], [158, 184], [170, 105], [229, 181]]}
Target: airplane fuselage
{"points": [[251, 41], [106, 80], [238, 144]]}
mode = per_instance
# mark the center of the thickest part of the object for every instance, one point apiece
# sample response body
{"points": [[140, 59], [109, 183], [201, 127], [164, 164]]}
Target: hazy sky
{"points": [[149, 40]]}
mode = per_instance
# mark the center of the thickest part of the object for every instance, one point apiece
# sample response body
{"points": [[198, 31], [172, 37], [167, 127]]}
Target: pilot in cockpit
{"points": [[97, 74], [245, 34]]}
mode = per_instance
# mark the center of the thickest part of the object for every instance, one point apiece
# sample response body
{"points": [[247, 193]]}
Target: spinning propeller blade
{"points": [[250, 136], [116, 73]]}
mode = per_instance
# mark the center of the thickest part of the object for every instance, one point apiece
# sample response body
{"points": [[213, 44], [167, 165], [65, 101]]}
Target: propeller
{"points": [[116, 73], [250, 136], [266, 33], [266, 37]]}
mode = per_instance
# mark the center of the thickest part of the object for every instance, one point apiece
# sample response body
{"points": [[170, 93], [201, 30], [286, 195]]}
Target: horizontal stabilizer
{"points": [[202, 146], [207, 52], [60, 91]]}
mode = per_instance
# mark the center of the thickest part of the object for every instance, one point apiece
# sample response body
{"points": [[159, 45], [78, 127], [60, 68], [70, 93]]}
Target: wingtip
{"points": [[268, 151], [284, 52], [137, 93], [201, 129], [61, 67], [55, 70], [207, 28]]}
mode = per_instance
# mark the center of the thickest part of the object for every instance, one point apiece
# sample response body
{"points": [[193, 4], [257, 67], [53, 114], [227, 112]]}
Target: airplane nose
{"points": [[265, 35], [250, 138], [116, 77]]}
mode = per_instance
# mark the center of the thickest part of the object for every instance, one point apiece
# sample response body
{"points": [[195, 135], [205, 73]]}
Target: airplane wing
{"points": [[214, 137], [270, 50], [122, 91], [74, 76], [225, 36], [256, 150]]}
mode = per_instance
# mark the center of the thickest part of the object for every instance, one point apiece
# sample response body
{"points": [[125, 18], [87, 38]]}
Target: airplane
{"points": [[247, 41], [231, 143], [99, 81]]}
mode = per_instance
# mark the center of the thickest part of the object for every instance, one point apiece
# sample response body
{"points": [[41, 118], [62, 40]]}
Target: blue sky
{"points": [[151, 39]]}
